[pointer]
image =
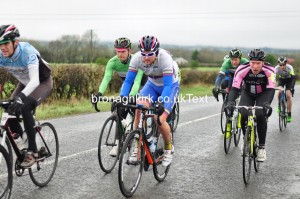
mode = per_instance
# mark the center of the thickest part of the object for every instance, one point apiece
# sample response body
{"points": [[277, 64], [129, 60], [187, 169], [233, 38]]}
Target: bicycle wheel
{"points": [[227, 135], [175, 116], [223, 117], [247, 159], [106, 143], [7, 145], [281, 116], [284, 113], [256, 163], [130, 169], [6, 175], [237, 136], [48, 148], [160, 172]]}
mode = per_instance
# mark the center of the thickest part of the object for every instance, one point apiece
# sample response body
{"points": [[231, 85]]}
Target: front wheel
{"points": [[131, 164], [48, 149], [5, 173], [223, 117], [247, 160], [107, 141], [227, 135], [160, 172]]}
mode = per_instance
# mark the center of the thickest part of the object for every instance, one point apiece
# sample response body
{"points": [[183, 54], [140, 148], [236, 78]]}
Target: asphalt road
{"points": [[200, 168]]}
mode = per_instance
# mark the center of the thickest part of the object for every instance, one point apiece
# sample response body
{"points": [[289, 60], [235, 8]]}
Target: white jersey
{"points": [[163, 65]]}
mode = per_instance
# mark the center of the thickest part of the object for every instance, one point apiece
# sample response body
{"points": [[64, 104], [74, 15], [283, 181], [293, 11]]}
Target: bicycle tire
{"points": [[106, 142], [175, 116], [223, 117], [237, 136], [247, 159], [160, 172], [6, 174], [130, 172], [281, 116], [43, 170], [7, 145], [256, 163], [227, 135], [285, 114]]}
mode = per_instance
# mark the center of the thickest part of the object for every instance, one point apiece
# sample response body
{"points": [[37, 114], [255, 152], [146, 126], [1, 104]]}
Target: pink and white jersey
{"points": [[252, 83]]}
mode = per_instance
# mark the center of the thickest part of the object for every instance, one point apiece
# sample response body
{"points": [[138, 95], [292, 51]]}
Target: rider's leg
{"points": [[246, 100]]}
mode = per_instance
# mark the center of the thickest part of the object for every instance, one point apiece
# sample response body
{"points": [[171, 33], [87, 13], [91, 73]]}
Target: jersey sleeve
{"points": [[137, 83], [109, 70], [33, 69]]}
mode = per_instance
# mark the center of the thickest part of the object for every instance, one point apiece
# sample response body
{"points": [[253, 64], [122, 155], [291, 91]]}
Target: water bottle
{"points": [[152, 144]]}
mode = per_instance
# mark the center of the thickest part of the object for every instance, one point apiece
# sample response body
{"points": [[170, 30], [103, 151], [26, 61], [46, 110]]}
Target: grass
{"points": [[76, 107]]}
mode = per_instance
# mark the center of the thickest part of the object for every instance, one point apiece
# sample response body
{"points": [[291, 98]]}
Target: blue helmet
{"points": [[148, 43]]}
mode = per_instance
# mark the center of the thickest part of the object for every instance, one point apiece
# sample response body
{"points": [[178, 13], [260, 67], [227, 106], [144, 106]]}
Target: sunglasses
{"points": [[148, 54], [281, 64]]}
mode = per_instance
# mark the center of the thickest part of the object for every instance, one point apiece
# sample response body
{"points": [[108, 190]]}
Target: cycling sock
{"points": [[168, 145]]}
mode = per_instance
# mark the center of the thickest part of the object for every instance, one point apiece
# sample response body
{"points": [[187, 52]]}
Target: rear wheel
{"points": [[227, 135], [48, 148], [281, 116], [284, 106], [175, 116], [5, 173], [107, 141], [237, 136], [130, 168], [247, 160]]}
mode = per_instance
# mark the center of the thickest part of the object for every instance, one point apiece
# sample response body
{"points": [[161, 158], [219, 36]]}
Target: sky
{"points": [[224, 23]]}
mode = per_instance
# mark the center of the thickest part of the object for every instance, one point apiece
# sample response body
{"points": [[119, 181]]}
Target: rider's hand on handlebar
{"points": [[17, 103], [229, 108], [215, 92], [267, 109]]}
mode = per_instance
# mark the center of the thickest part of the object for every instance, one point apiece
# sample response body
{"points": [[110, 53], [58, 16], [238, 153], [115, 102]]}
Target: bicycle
{"points": [[173, 118], [107, 140], [42, 171], [6, 175], [130, 171], [232, 127], [283, 113], [250, 148]]}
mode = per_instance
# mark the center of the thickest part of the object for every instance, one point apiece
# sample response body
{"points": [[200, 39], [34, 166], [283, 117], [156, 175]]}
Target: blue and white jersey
{"points": [[285, 74], [24, 66], [163, 65]]}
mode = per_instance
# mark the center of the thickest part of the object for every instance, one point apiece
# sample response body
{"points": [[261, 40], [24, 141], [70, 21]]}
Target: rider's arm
{"points": [[270, 88], [137, 83], [109, 69], [219, 79], [168, 79], [131, 74], [33, 69]]}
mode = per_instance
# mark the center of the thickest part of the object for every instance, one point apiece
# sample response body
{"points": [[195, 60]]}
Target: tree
{"points": [[271, 59]]}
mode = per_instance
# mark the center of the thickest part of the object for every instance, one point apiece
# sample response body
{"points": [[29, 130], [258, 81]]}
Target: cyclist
{"points": [[225, 76], [162, 85], [286, 78], [120, 64], [24, 62], [258, 78]]}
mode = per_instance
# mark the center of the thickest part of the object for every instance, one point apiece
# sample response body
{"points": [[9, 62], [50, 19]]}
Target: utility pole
{"points": [[91, 54]]}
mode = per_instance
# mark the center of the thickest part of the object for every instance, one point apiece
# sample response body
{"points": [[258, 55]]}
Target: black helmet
{"points": [[8, 33], [122, 42], [148, 43], [282, 60], [257, 54], [235, 53]]}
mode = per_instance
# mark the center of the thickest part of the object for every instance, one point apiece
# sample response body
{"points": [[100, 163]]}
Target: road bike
{"points": [[232, 129], [282, 112], [130, 171], [112, 127], [6, 175], [173, 118], [42, 171], [250, 147]]}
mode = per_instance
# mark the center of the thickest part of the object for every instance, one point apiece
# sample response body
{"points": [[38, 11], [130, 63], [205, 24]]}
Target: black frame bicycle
{"points": [[107, 139], [42, 171]]}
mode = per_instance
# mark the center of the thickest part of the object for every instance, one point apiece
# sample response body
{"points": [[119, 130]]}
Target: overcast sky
{"points": [[228, 23]]}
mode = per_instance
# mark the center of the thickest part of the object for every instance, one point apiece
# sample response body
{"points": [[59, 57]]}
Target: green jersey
{"points": [[114, 64], [227, 65]]}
